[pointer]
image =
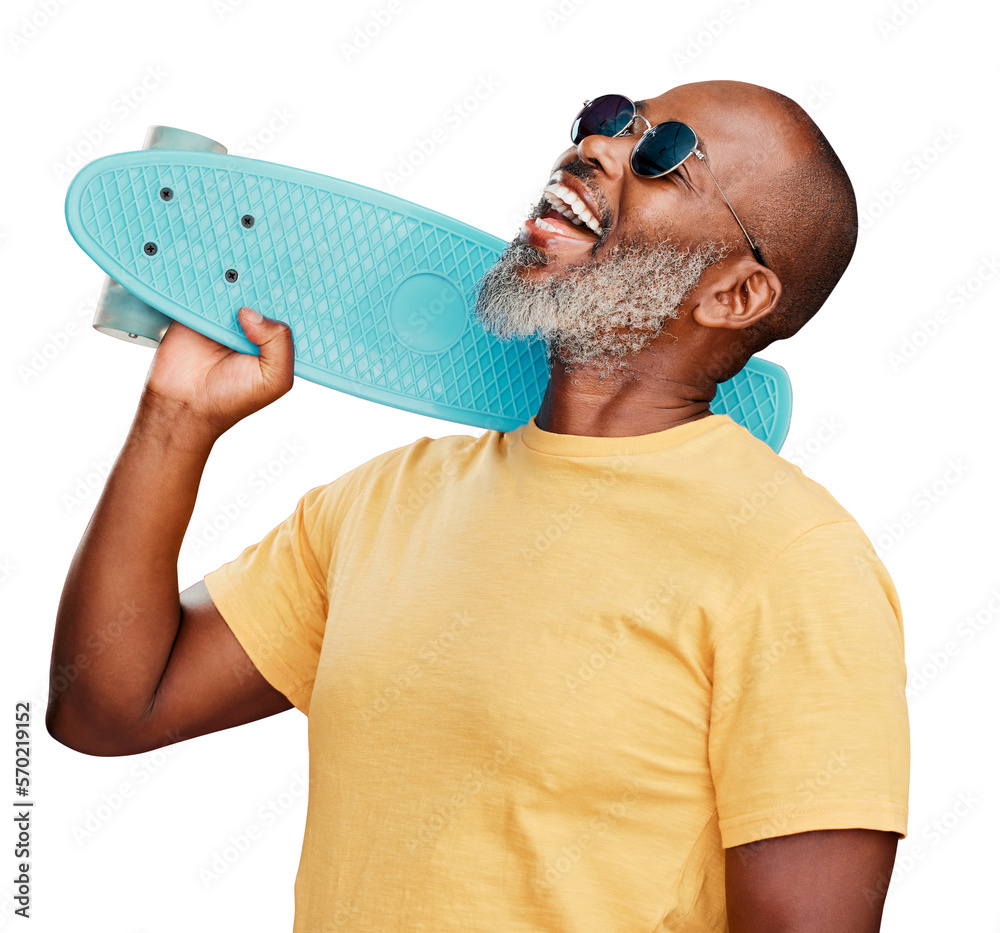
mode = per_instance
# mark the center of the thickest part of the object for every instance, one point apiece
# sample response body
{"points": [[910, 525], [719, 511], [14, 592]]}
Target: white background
{"points": [[906, 93]]}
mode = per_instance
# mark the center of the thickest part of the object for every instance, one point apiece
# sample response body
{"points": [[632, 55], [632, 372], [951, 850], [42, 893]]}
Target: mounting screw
{"points": [[232, 275], [247, 221], [166, 193], [149, 249]]}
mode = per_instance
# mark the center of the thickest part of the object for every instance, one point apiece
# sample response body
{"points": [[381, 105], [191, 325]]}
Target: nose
{"points": [[608, 153]]}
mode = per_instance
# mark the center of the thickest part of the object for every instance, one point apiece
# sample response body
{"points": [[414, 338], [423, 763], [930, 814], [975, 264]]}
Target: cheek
{"points": [[655, 215], [643, 218]]}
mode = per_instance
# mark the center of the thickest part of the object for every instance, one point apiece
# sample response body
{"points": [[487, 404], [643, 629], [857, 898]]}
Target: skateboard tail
{"points": [[120, 313]]}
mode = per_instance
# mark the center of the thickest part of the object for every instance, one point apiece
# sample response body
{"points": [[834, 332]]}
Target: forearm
{"points": [[120, 610]]}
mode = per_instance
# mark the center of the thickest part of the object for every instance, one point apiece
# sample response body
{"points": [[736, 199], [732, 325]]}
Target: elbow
{"points": [[65, 734], [56, 728], [78, 732]]}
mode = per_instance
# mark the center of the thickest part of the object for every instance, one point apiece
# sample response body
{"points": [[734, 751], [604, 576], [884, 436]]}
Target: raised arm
{"points": [[121, 622]]}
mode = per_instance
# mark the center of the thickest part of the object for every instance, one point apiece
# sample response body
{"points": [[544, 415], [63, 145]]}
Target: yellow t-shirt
{"points": [[549, 678]]}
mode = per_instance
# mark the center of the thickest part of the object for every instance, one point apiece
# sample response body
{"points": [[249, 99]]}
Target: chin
{"points": [[548, 266], [537, 273]]}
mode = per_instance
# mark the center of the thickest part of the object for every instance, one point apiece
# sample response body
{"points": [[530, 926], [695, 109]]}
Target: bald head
{"points": [[570, 277], [791, 192]]}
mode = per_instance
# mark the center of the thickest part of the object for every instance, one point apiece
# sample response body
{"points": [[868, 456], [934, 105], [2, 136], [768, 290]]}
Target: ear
{"points": [[735, 293]]}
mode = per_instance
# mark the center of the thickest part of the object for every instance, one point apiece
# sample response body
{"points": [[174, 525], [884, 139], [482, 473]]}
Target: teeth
{"points": [[563, 209], [564, 200], [545, 225]]}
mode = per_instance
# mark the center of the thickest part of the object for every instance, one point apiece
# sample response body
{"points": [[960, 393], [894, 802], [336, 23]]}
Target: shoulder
{"points": [[771, 525], [418, 460], [762, 493]]}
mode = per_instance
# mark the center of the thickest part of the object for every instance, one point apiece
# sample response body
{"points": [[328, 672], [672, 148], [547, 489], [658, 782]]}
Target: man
{"points": [[621, 669]]}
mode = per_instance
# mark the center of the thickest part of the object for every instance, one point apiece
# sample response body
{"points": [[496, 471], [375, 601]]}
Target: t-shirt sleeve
{"points": [[809, 727], [275, 596]]}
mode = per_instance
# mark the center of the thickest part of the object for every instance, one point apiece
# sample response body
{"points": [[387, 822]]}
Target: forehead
{"points": [[739, 125], [715, 120]]}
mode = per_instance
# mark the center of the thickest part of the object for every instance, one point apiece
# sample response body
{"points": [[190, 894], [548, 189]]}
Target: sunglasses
{"points": [[660, 150]]}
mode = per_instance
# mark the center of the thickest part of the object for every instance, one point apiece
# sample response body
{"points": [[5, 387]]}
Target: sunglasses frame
{"points": [[693, 151]]}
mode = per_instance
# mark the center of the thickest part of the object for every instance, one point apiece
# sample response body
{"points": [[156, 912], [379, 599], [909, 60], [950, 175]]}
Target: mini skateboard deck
{"points": [[378, 291]]}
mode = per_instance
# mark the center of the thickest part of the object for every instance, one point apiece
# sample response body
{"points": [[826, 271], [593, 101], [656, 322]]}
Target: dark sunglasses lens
{"points": [[663, 148], [604, 116]]}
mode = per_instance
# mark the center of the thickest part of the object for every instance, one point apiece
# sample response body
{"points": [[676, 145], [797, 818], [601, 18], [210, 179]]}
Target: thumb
{"points": [[277, 352]]}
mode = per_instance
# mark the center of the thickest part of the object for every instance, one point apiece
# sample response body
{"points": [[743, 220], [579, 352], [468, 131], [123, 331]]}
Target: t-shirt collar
{"points": [[579, 445]]}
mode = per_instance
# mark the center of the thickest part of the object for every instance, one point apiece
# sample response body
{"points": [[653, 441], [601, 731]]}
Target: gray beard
{"points": [[599, 314]]}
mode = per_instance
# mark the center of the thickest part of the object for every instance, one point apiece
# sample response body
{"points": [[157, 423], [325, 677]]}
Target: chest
{"points": [[537, 642]]}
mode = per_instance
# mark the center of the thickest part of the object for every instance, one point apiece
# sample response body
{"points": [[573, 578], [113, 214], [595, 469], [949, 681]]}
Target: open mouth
{"points": [[570, 219], [570, 205], [554, 221]]}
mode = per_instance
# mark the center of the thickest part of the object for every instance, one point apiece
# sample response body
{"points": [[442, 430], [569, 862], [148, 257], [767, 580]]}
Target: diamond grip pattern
{"points": [[327, 256]]}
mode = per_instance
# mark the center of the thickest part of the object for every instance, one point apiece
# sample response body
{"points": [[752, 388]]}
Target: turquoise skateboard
{"points": [[378, 291]]}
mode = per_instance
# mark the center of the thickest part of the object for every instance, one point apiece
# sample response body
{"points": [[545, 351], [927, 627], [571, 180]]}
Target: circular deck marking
{"points": [[427, 312]]}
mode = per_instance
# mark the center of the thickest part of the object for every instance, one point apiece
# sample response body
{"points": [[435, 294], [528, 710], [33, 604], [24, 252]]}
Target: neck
{"points": [[648, 399]]}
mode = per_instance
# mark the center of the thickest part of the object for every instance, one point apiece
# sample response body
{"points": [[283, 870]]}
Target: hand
{"points": [[217, 386]]}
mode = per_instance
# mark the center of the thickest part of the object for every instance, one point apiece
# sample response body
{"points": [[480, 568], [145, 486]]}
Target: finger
{"points": [[277, 352]]}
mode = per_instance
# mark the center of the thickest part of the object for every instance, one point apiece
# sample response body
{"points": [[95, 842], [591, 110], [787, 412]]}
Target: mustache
{"points": [[580, 169]]}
